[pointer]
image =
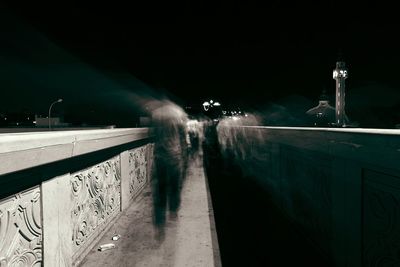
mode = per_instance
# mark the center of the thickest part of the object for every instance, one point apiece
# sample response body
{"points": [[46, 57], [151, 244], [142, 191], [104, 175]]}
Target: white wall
{"points": [[37, 224]]}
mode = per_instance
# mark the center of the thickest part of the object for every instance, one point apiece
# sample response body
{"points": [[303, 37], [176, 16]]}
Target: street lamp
{"points": [[57, 101], [211, 104], [206, 106]]}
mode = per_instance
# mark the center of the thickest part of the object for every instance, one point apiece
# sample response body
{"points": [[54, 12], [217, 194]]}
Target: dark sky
{"points": [[240, 52]]}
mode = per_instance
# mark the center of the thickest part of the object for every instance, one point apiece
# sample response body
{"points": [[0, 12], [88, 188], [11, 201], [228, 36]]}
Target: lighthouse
{"points": [[340, 75]]}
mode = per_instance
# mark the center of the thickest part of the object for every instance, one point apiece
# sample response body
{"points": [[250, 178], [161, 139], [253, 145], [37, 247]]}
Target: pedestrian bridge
{"points": [[62, 194]]}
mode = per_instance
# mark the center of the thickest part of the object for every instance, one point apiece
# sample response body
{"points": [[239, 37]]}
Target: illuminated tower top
{"points": [[341, 71], [340, 74]]}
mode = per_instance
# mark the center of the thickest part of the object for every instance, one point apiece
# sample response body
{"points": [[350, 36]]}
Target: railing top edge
{"points": [[72, 132], [336, 130], [21, 141]]}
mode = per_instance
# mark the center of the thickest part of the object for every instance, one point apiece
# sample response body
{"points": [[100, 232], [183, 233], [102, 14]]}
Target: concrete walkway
{"points": [[190, 238]]}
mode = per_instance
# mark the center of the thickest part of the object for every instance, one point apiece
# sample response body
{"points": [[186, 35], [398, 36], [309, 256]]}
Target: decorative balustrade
{"points": [[61, 190], [340, 187]]}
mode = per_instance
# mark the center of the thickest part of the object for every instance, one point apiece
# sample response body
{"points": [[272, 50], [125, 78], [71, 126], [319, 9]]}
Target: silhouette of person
{"points": [[170, 155]]}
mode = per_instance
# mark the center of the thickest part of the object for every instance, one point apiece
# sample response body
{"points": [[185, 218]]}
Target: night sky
{"points": [[238, 52]]}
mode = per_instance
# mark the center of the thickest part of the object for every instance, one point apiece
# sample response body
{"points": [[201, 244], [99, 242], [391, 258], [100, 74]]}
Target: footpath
{"points": [[189, 239]]}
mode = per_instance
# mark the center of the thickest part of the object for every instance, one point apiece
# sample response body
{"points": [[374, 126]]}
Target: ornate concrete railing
{"points": [[60, 190], [341, 187]]}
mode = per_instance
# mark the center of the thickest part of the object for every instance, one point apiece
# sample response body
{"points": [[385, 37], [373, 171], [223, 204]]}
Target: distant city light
{"points": [[208, 105]]}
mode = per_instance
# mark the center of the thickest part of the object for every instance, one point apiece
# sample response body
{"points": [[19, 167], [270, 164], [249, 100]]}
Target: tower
{"points": [[340, 75]]}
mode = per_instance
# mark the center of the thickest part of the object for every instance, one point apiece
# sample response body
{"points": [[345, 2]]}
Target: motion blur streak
{"points": [[170, 155], [233, 137], [41, 71]]}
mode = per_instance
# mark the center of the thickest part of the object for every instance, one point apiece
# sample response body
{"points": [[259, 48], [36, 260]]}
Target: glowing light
{"points": [[206, 106], [217, 104], [211, 101], [340, 74]]}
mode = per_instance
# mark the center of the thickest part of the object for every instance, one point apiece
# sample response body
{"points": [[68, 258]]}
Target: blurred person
{"points": [[170, 155], [194, 136]]}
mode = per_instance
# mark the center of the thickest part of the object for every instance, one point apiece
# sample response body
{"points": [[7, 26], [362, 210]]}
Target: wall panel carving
{"points": [[137, 169], [150, 160], [20, 230], [95, 194], [381, 219]]}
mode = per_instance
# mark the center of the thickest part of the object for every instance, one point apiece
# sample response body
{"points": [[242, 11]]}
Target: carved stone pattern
{"points": [[137, 169], [150, 159], [306, 185], [95, 194], [381, 224], [20, 230]]}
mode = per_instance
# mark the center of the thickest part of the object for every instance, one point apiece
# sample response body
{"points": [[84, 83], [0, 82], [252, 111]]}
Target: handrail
{"points": [[20, 151]]}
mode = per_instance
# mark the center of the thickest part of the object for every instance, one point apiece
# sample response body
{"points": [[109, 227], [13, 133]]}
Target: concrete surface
{"points": [[189, 238], [19, 151]]}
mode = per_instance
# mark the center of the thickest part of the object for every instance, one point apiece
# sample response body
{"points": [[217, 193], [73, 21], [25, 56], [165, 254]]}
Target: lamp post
{"points": [[57, 101]]}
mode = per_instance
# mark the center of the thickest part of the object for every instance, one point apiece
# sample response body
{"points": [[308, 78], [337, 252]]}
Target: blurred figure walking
{"points": [[170, 154]]}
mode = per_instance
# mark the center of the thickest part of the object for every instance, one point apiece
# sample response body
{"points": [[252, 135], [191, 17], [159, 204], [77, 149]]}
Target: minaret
{"points": [[340, 74]]}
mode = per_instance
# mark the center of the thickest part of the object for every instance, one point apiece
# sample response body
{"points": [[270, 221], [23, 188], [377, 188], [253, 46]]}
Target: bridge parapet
{"points": [[59, 191], [339, 187]]}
